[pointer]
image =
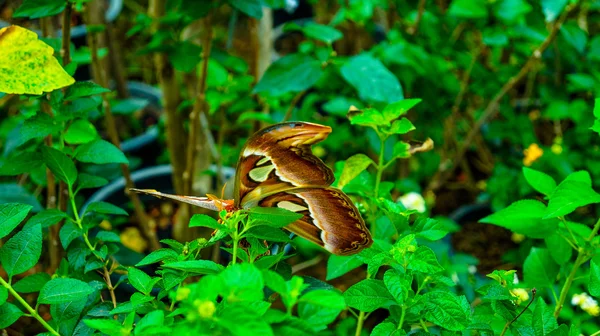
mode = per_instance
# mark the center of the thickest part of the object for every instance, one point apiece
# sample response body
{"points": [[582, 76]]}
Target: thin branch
{"points": [[447, 168], [507, 325], [293, 103], [143, 220]]}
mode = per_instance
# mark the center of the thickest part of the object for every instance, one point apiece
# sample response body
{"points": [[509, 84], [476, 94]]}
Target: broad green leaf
{"points": [[597, 107], [367, 117], [242, 282], [61, 290], [575, 36], [395, 110], [340, 265], [372, 80], [105, 208], [154, 319], [543, 319], [368, 295], [87, 181], [401, 150], [243, 319], [424, 260], [9, 314], [80, 131], [398, 284], [3, 295], [512, 11], [20, 162], [268, 233], [320, 307], [83, 89], [100, 152], [63, 312], [37, 127], [107, 326], [158, 255], [252, 8], [28, 64], [291, 73], [47, 218], [447, 310], [580, 176], [321, 32], [468, 9], [541, 182], [568, 196], [387, 329], [539, 269], [61, 166], [560, 250], [32, 283], [353, 166], [195, 266], [22, 251], [35, 9], [186, 56], [11, 214], [206, 221], [432, 229], [141, 281], [401, 126], [594, 283], [525, 217], [553, 8], [108, 237], [68, 233], [275, 217]]}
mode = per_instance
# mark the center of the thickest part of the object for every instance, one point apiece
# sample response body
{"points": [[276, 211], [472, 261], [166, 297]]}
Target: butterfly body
{"points": [[276, 168]]}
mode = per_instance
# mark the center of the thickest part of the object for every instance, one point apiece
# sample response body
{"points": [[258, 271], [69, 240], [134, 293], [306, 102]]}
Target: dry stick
{"points": [[143, 219], [54, 246], [176, 139], [507, 325], [447, 168], [415, 28]]}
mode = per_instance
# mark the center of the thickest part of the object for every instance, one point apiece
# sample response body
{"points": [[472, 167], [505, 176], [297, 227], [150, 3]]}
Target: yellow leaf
{"points": [[27, 65]]}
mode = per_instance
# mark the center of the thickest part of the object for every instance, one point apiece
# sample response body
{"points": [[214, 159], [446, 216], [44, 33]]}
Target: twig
{"points": [[447, 168], [421, 9], [293, 103], [176, 136], [507, 325], [307, 264], [143, 219], [111, 289]]}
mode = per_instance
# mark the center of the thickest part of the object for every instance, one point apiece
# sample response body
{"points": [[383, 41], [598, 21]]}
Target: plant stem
{"points": [[293, 103], [582, 257], [32, 311], [402, 315], [533, 292], [380, 165], [361, 317], [236, 242]]}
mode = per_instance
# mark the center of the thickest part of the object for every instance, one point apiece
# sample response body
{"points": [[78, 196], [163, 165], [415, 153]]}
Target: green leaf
{"points": [[367, 117], [372, 80], [241, 319], [20, 162], [525, 217], [424, 260], [100, 152], [3, 295], [63, 312], [106, 326], [447, 310], [368, 295], [68, 233], [386, 329], [432, 229], [594, 283], [568, 196], [401, 126], [321, 32], [158, 255], [320, 307], [340, 265], [541, 182], [186, 56], [108, 237], [206, 221], [575, 36], [22, 251], [468, 9], [154, 319], [543, 319], [398, 284], [275, 217], [60, 165], [87, 181], [353, 166], [47, 218], [83, 89], [37, 127], [560, 250], [553, 8], [252, 8], [80, 131], [35, 9], [32, 283], [195, 266], [291, 73], [580, 176], [268, 233], [394, 110], [539, 269], [401, 150], [11, 214], [141, 281], [9, 314], [61, 290], [105, 208], [242, 282], [28, 64], [597, 108]]}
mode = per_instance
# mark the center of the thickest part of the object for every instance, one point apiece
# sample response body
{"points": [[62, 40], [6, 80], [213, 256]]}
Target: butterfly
{"points": [[277, 168]]}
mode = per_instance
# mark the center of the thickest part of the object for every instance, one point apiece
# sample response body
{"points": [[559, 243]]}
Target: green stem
{"points": [[402, 317], [361, 318], [28, 307], [236, 241], [77, 218], [380, 166], [582, 257]]}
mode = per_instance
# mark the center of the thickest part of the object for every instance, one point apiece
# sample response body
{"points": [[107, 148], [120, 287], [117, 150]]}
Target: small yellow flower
{"points": [[319, 151], [517, 237], [206, 309], [593, 310], [532, 153], [182, 293], [105, 225], [521, 294], [132, 239], [534, 115], [586, 303]]}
